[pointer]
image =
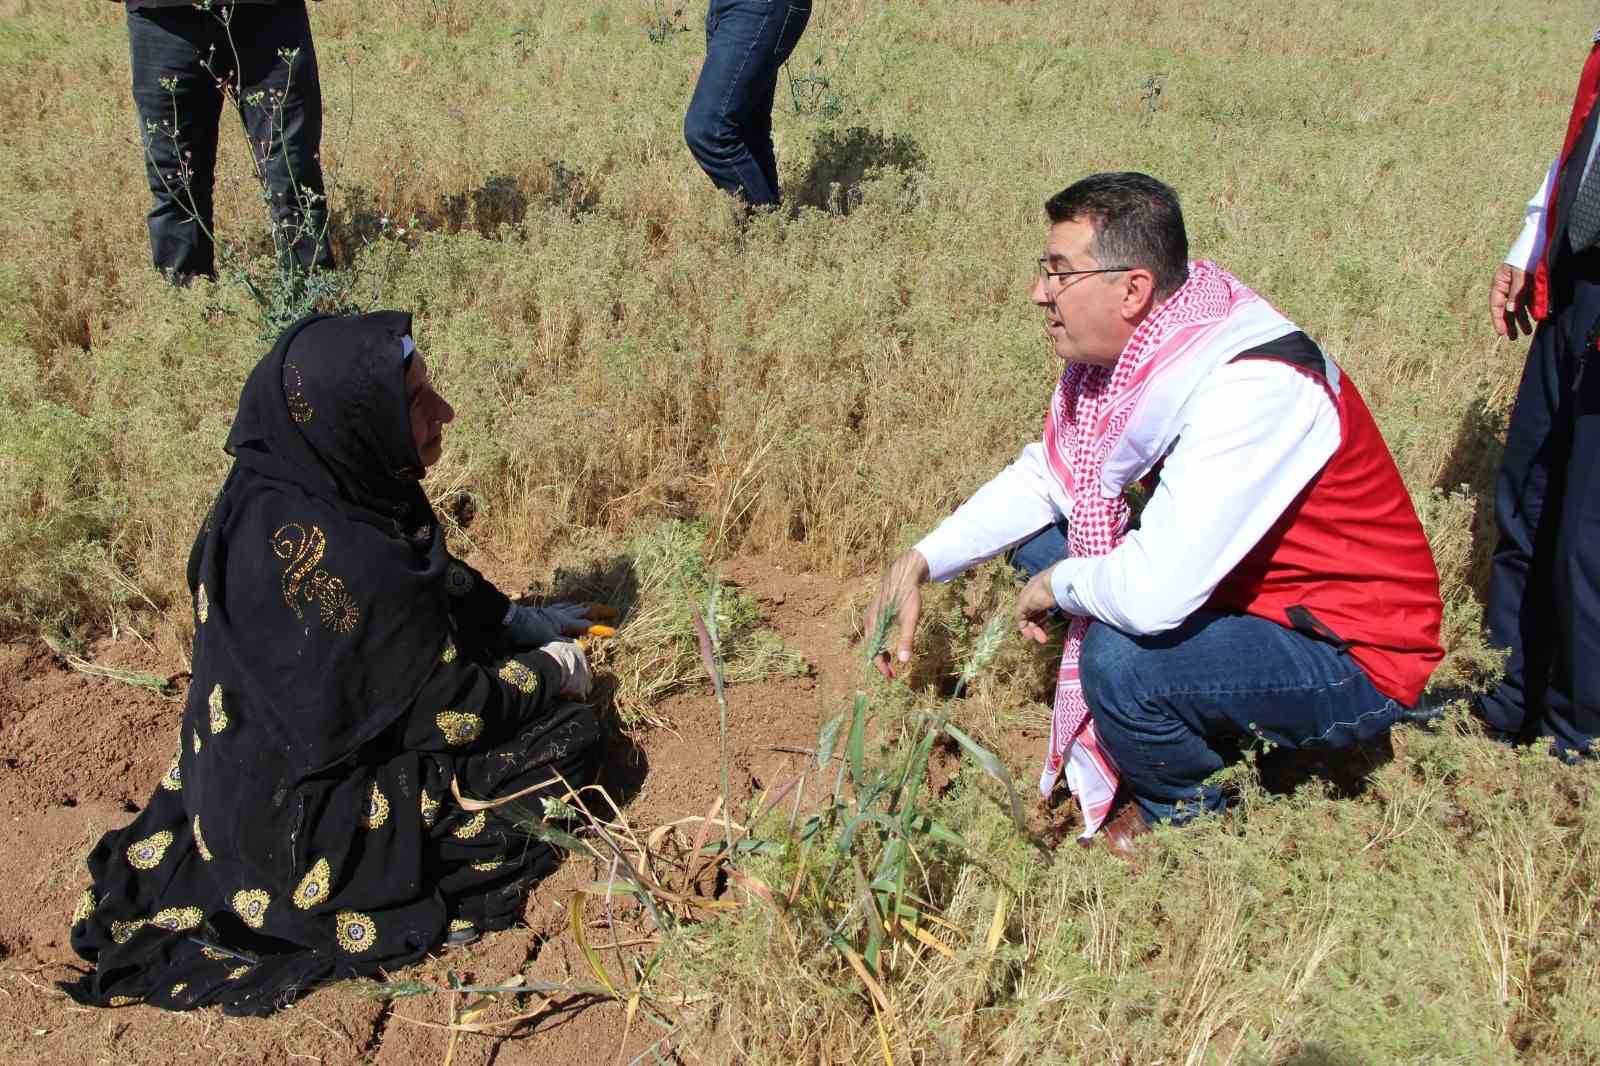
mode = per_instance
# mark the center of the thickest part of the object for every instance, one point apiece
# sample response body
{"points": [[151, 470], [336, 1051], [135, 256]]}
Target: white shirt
{"points": [[1253, 436], [1529, 245]]}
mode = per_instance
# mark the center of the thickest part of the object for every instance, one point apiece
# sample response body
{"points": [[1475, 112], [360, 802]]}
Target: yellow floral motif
{"points": [[489, 865], [449, 653], [459, 727], [471, 827], [305, 580], [202, 606], [85, 907], [460, 924], [355, 931], [196, 739], [430, 809], [177, 989], [519, 676], [237, 972], [122, 932], [123, 1001], [177, 919], [200, 841], [314, 886], [147, 854], [172, 780], [214, 955], [219, 717], [251, 905], [338, 609], [377, 809]]}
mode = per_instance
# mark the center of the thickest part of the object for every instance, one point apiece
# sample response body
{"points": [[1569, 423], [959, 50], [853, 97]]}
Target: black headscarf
{"points": [[319, 574]]}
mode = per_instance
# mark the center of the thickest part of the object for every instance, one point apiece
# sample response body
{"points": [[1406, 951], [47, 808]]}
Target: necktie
{"points": [[1585, 224]]}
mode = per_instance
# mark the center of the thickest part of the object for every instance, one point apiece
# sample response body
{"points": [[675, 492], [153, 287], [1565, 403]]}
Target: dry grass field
{"points": [[639, 377]]}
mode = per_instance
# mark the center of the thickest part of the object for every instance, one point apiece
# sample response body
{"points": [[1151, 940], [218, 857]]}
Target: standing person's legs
{"points": [[733, 96], [758, 133], [1528, 493], [179, 104], [1571, 712], [280, 102], [1174, 708]]}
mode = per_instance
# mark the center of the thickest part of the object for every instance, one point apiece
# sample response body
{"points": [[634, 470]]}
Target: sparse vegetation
{"points": [[640, 378]]}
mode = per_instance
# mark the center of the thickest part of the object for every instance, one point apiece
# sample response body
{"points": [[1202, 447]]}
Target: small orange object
{"points": [[600, 631]]}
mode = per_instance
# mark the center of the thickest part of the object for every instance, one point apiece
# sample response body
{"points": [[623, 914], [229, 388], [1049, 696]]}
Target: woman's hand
{"points": [[576, 678], [534, 627]]}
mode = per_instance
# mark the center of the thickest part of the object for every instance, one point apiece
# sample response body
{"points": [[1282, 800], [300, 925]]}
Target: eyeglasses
{"points": [[1046, 272]]}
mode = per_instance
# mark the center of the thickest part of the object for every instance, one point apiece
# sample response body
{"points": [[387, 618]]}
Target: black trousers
{"points": [[182, 59], [1544, 590]]}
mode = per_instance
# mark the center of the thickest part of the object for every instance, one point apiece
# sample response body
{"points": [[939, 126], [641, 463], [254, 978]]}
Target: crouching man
{"points": [[1276, 586]]}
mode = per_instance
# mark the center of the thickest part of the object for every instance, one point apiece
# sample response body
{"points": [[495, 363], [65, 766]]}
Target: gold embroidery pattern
{"points": [[458, 727], [177, 989], [489, 865], [200, 841], [85, 907], [294, 396], [196, 739], [202, 606], [460, 924], [219, 717], [177, 919], [430, 809], [251, 905], [214, 955], [355, 931], [123, 1001], [314, 886], [519, 676], [471, 827], [377, 809], [237, 972], [122, 932], [305, 580], [457, 581], [449, 653], [147, 854], [172, 780]]}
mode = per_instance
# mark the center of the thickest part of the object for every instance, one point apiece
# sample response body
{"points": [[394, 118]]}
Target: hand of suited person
{"points": [[1508, 301]]}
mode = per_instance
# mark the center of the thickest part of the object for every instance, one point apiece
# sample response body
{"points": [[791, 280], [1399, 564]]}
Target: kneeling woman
{"points": [[346, 671]]}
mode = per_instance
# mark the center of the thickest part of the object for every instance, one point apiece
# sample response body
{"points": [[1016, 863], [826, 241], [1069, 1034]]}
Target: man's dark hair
{"points": [[1137, 222]]}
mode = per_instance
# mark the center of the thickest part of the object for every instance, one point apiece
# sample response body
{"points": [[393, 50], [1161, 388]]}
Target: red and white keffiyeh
{"points": [[1106, 428]]}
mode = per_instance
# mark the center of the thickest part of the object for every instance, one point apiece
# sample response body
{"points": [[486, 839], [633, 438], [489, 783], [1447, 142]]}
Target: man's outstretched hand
{"points": [[1034, 604], [900, 595], [1509, 294]]}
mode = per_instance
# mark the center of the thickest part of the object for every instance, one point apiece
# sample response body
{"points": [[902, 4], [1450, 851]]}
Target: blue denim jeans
{"points": [[728, 126], [178, 125], [1041, 551], [1544, 587], [1174, 708]]}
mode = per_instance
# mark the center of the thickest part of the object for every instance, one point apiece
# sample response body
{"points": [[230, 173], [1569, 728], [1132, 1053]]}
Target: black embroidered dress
{"points": [[344, 673]]}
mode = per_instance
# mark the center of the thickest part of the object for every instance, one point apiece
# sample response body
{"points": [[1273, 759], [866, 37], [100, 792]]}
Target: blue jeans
{"points": [[728, 126], [179, 125], [1041, 551], [1174, 708], [1544, 588]]}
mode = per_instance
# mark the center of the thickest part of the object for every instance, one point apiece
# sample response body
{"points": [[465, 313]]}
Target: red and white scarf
{"points": [[1106, 428]]}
